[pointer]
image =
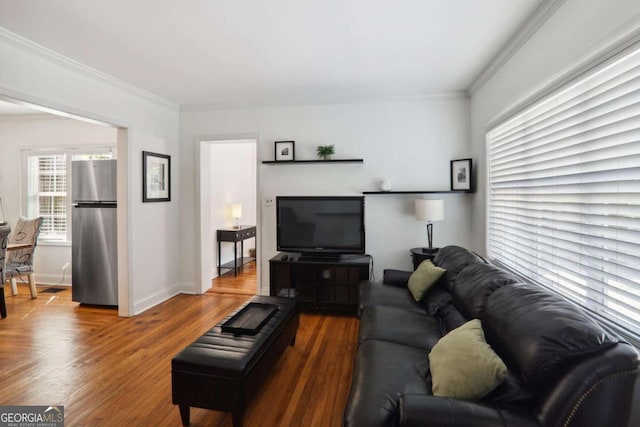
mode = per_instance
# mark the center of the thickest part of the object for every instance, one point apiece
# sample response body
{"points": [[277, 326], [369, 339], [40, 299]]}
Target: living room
{"points": [[406, 138]]}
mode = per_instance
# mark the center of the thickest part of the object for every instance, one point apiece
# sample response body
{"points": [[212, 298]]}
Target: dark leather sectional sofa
{"points": [[564, 369]]}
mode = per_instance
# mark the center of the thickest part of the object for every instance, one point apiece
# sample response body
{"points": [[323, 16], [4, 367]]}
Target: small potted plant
{"points": [[325, 151]]}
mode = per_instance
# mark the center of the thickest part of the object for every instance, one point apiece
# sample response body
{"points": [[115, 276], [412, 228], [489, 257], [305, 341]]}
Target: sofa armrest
{"points": [[396, 277], [419, 410]]}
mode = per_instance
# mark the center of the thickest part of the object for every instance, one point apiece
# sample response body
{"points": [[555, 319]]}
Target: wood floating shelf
{"points": [[291, 162], [417, 192]]}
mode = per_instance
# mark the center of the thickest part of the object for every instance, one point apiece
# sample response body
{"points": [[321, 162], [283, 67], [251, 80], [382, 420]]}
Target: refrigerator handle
{"points": [[94, 204]]}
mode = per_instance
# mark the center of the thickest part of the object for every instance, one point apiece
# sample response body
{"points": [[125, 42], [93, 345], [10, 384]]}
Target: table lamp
{"points": [[429, 210], [236, 212]]}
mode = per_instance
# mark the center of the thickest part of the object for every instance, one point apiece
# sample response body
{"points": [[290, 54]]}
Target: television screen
{"points": [[320, 224]]}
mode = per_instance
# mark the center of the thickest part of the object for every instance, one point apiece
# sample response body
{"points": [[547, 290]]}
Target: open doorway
{"points": [[39, 144], [229, 215]]}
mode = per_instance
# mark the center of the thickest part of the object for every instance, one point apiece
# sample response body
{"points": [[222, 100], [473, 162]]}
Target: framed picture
{"points": [[156, 177], [285, 151], [461, 175]]}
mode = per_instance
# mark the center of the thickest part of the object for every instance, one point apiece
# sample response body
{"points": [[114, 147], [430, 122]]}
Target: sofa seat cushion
{"points": [[373, 293], [538, 331], [454, 259], [474, 284], [383, 372], [399, 326]]}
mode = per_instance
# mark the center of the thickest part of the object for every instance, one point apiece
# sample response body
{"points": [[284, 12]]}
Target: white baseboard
{"points": [[51, 279], [188, 288], [155, 299], [138, 307], [162, 296]]}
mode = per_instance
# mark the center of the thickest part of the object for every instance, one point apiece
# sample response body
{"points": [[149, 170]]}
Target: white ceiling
{"points": [[256, 52]]}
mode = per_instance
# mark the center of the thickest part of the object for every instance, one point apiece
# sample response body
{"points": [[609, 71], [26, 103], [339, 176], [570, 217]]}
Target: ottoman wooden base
{"points": [[222, 371]]}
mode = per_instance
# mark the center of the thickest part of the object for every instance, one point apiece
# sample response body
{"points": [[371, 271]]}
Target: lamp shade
{"points": [[429, 209], [236, 210]]}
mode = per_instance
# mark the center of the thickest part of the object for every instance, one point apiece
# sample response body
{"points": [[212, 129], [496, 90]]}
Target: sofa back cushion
{"points": [[435, 299], [474, 284], [450, 318], [538, 331], [454, 259]]}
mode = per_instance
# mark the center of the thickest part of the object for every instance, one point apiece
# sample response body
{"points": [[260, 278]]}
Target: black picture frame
{"points": [[284, 151], [156, 177], [462, 175]]}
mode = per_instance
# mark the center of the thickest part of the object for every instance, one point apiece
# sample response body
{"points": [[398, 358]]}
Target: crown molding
{"points": [[25, 117], [76, 66], [188, 108], [537, 19]]}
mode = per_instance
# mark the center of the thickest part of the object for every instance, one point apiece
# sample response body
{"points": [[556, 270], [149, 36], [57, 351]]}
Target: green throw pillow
{"points": [[463, 365], [425, 276]]}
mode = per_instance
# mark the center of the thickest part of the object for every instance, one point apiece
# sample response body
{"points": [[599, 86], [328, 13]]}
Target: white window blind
{"points": [[564, 192], [47, 193]]}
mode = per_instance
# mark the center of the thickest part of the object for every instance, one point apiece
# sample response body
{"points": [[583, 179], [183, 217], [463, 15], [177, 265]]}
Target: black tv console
{"points": [[317, 283]]}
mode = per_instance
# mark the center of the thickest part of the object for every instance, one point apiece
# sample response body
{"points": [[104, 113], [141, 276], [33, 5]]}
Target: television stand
{"points": [[314, 257], [319, 284]]}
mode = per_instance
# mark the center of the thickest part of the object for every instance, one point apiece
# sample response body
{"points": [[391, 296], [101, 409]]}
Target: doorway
{"points": [[228, 179], [40, 130]]}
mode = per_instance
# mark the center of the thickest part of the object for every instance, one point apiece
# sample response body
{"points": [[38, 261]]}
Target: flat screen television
{"points": [[320, 225]]}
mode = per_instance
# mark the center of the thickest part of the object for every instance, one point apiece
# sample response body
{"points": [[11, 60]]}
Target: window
{"points": [[48, 189], [564, 192]]}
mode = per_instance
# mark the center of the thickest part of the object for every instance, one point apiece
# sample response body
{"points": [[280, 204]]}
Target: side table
{"points": [[235, 235], [420, 254]]}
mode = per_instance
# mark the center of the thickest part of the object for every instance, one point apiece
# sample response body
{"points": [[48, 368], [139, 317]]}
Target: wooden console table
{"points": [[235, 235]]}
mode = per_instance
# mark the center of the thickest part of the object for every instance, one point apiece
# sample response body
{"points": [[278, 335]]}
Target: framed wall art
{"points": [[285, 151], [461, 175], [156, 177]]}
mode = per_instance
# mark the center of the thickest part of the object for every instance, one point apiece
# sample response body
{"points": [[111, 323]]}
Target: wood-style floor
{"points": [[243, 284], [112, 371]]}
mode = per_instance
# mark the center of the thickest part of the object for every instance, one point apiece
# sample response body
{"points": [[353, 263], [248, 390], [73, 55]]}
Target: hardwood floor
{"points": [[243, 284], [112, 371]]}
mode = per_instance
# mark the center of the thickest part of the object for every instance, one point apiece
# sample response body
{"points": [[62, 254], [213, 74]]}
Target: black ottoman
{"points": [[223, 371]]}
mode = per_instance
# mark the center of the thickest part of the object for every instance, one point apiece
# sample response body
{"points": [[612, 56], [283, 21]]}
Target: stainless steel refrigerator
{"points": [[94, 239]]}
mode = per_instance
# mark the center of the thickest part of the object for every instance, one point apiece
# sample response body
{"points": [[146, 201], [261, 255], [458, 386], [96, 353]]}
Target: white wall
{"points": [[575, 34], [42, 131], [409, 141], [233, 181], [32, 73]]}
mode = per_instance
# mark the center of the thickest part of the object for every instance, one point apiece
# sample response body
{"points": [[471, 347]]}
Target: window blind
{"points": [[47, 193], [564, 192]]}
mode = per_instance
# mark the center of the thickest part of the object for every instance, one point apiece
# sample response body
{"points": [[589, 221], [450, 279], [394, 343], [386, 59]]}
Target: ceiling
{"points": [[244, 52]]}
